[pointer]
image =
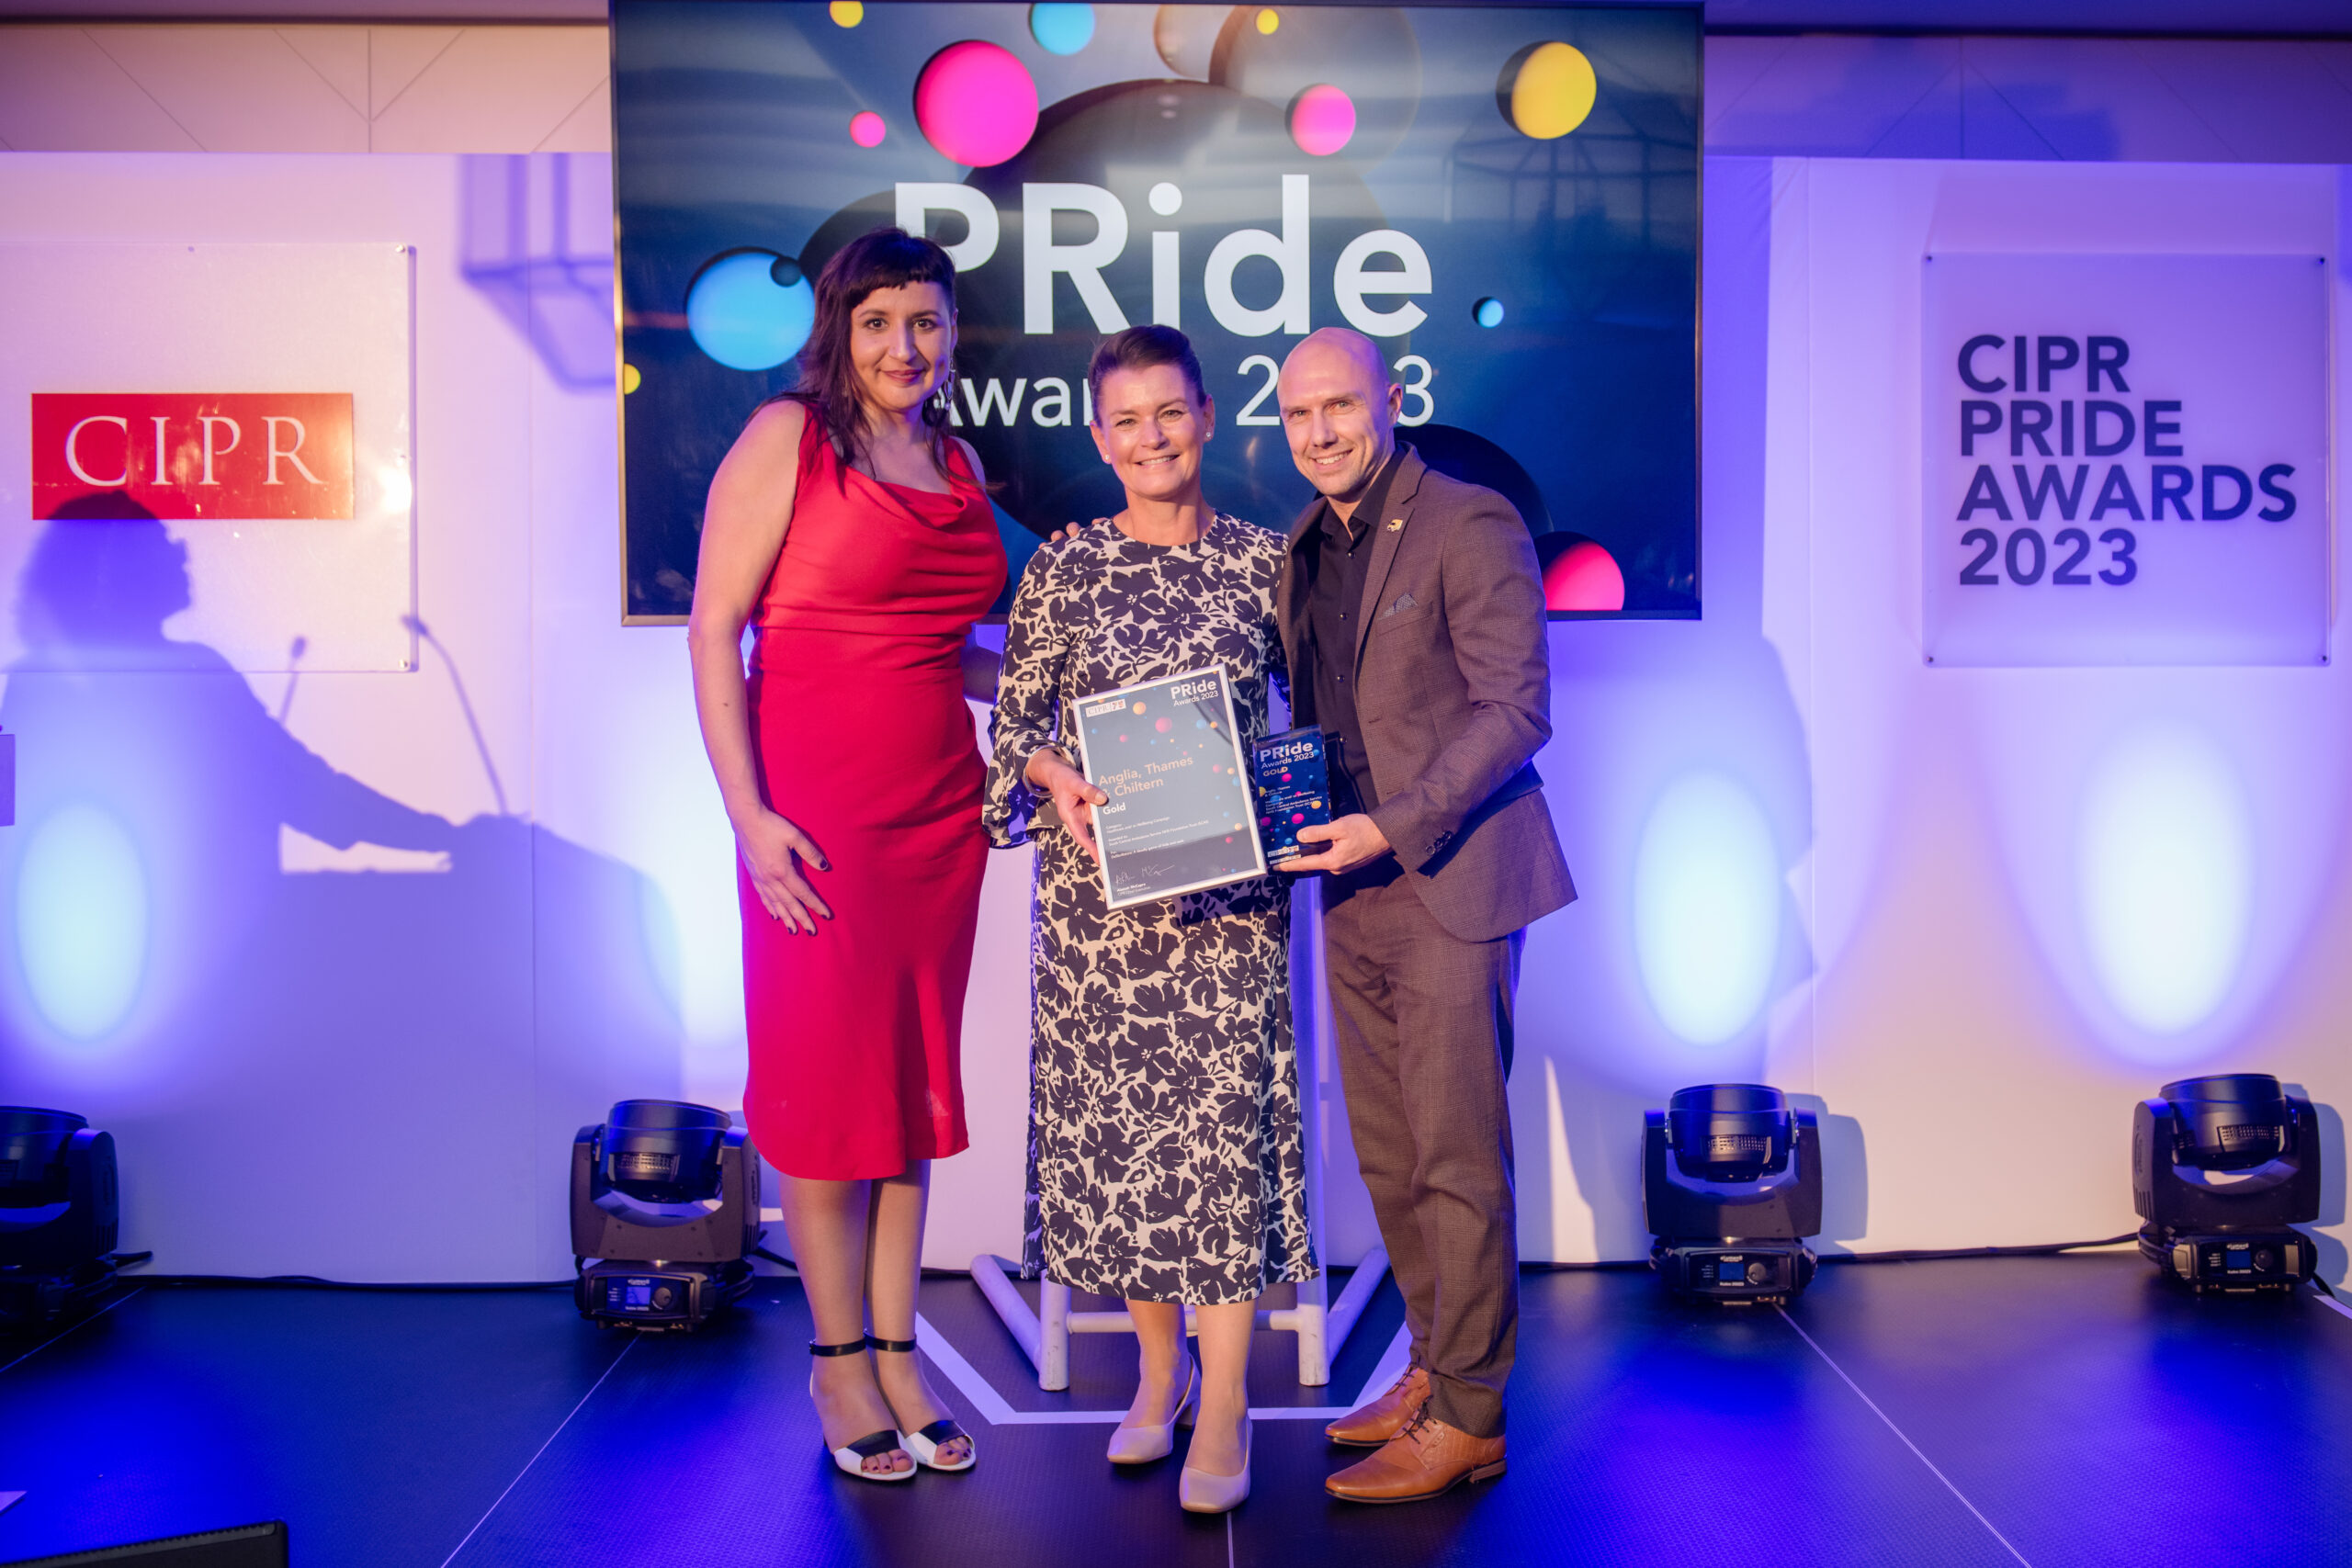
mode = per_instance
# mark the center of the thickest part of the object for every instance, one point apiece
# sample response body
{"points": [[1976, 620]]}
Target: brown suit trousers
{"points": [[1423, 1023]]}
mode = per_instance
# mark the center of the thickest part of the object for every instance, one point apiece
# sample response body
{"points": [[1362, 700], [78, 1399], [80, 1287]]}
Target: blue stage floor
{"points": [[2055, 1412]]}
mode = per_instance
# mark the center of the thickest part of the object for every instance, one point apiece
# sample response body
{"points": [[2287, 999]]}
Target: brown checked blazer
{"points": [[1453, 695]]}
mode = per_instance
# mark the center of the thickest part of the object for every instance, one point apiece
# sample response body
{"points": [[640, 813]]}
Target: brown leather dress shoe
{"points": [[1385, 1417], [1426, 1459]]}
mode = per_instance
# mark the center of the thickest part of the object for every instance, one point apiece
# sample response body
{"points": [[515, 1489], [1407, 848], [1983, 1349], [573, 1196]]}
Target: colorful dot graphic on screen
{"points": [[865, 129], [1268, 20], [1061, 29], [1487, 313], [751, 309], [1546, 90], [846, 13], [976, 103], [630, 379], [1584, 577], [1322, 118], [1140, 707]]}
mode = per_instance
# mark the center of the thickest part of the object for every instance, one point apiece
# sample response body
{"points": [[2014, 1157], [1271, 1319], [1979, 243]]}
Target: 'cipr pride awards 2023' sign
{"points": [[2126, 459], [1504, 198]]}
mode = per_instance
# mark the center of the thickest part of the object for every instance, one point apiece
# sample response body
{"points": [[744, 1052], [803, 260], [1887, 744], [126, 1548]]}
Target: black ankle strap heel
{"points": [[927, 1443], [850, 1458]]}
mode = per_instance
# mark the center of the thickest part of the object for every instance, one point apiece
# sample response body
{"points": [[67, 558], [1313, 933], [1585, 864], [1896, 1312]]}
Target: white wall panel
{"points": [[246, 88], [237, 89], [59, 92]]}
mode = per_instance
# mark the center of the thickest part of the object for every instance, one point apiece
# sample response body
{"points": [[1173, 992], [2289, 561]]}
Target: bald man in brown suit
{"points": [[1411, 610]]}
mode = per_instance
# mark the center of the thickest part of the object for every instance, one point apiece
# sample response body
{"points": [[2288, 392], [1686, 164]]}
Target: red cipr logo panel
{"points": [[192, 453]]}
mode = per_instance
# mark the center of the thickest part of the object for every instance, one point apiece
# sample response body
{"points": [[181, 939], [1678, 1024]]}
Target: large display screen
{"points": [[1506, 199]]}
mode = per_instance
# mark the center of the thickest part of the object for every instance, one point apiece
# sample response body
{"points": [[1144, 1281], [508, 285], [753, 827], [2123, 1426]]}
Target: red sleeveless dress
{"points": [[863, 741]]}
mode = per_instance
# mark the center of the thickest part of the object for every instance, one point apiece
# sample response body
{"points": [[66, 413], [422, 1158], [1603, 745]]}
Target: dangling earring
{"points": [[945, 396]]}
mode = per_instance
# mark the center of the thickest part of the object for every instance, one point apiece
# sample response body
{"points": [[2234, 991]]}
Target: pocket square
{"points": [[1405, 601]]}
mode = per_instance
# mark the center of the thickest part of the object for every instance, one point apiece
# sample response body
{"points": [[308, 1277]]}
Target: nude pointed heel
{"points": [[1202, 1492], [1141, 1444], [850, 1458], [926, 1442]]}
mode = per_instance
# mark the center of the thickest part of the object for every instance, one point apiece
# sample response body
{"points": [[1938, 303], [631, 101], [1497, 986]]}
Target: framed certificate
{"points": [[1180, 818]]}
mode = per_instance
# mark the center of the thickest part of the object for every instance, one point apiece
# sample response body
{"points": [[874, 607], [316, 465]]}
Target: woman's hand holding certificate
{"points": [[1074, 799]]}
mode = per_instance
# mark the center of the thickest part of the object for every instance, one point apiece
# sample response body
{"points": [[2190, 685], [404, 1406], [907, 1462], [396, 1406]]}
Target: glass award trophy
{"points": [[1294, 777], [1180, 816]]}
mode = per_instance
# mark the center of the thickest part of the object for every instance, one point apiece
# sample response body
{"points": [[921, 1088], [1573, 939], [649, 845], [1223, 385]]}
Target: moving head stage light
{"points": [[665, 1206], [59, 1214], [2221, 1169], [1731, 1185]]}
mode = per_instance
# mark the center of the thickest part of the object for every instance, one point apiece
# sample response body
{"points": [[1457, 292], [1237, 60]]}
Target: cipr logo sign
{"points": [[2125, 459], [192, 455]]}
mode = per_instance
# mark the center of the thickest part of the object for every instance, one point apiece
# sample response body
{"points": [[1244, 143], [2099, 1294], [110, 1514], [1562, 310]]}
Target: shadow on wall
{"points": [[532, 246], [1845, 1198], [2333, 1258], [1680, 779], [315, 1059]]}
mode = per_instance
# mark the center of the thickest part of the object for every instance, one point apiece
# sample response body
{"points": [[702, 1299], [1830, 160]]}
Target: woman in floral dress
{"points": [[1165, 1160]]}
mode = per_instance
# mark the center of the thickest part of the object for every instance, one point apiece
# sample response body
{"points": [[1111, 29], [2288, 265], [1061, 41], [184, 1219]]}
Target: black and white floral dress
{"points": [[1165, 1155]]}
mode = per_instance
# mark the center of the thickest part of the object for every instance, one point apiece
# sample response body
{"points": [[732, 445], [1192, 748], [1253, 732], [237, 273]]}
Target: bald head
{"points": [[1340, 413], [1344, 344]]}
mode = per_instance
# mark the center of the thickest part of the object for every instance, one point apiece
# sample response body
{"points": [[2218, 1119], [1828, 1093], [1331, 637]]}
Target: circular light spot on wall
{"points": [[1487, 313], [2164, 862], [1584, 576], [1546, 90], [976, 103], [743, 316], [1165, 199], [846, 13], [81, 920], [1268, 20], [1707, 895], [865, 129], [1061, 29], [1322, 118], [630, 379]]}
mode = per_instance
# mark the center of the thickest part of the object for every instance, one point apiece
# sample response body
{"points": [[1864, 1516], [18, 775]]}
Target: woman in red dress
{"points": [[853, 530]]}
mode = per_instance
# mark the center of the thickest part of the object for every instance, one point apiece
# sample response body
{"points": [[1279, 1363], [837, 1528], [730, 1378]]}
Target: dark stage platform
{"points": [[2051, 1411]]}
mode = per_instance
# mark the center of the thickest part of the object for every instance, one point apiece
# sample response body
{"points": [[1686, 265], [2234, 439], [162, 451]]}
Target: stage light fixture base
{"points": [[659, 1298], [1735, 1273], [2238, 1262], [30, 1301]]}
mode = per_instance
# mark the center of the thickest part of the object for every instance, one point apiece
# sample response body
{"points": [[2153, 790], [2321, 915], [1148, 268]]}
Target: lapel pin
{"points": [[1395, 524]]}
